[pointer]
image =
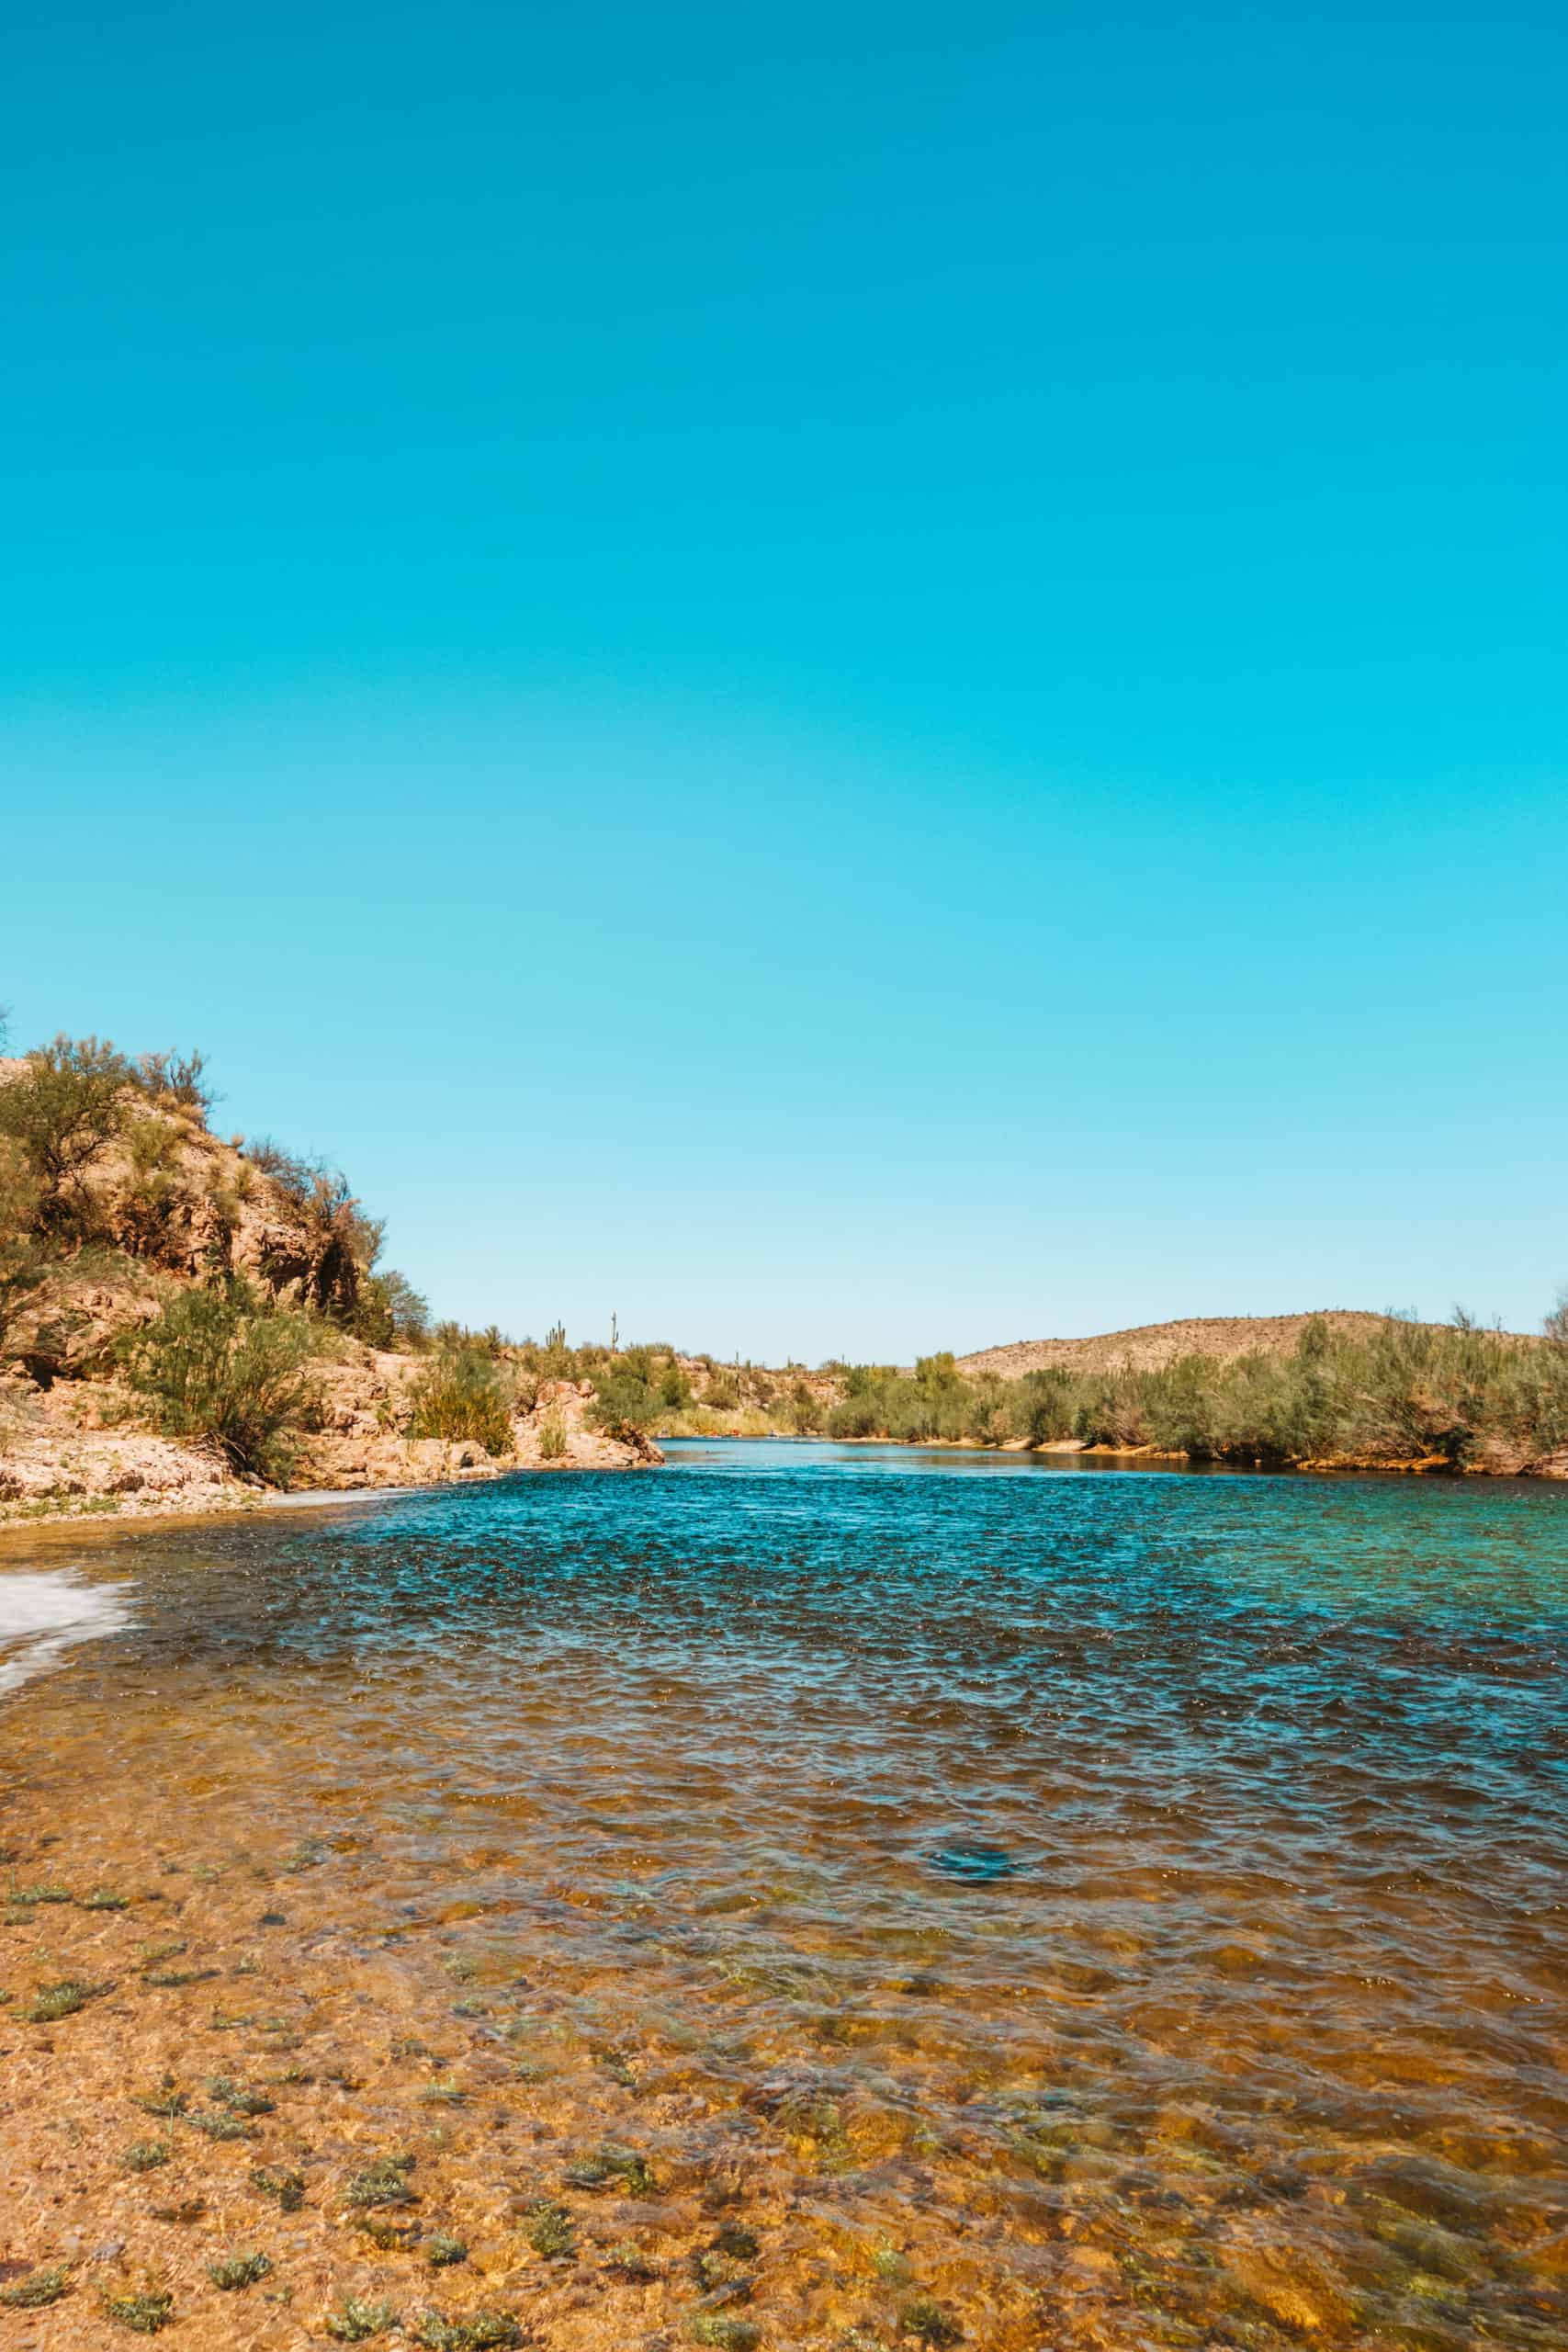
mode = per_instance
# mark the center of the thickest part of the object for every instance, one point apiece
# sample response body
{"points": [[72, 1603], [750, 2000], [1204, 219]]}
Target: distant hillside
{"points": [[1150, 1346]]}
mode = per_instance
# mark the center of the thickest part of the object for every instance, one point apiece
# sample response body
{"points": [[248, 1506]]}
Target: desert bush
{"points": [[463, 1395], [552, 1441], [217, 1365], [151, 1203], [390, 1313], [805, 1409], [60, 1114], [722, 1394], [1043, 1406], [178, 1078], [674, 1389], [624, 1399]]}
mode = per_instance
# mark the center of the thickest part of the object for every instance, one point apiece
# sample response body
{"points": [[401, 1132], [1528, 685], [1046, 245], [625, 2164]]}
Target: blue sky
{"points": [[842, 679]]}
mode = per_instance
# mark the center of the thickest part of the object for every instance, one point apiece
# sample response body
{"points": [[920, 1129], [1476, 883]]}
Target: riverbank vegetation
{"points": [[1456, 1395], [179, 1310], [231, 1294]]}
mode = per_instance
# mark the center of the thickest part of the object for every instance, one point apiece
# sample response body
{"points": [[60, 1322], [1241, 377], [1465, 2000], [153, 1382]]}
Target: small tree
{"points": [[1555, 1325], [390, 1313], [179, 1079], [61, 1111]]}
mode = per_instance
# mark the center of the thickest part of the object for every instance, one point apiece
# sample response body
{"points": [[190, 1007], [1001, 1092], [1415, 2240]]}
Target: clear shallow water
{"points": [[1137, 1899]]}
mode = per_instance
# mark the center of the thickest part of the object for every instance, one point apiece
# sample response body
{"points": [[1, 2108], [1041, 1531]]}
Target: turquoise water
{"points": [[1138, 1897]]}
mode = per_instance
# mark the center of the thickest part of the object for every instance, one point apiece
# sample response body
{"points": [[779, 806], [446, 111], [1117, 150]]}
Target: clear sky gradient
{"points": [[844, 679]]}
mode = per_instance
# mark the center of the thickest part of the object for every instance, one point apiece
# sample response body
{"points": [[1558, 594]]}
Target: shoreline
{"points": [[1432, 1465], [85, 1514]]}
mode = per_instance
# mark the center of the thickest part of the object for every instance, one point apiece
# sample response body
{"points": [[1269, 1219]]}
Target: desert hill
{"points": [[1148, 1347]]}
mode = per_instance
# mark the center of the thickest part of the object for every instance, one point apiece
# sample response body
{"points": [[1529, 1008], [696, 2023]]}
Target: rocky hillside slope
{"points": [[118, 1201], [1149, 1347]]}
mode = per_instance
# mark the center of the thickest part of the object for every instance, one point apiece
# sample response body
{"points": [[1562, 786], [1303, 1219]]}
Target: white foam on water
{"points": [[43, 1613]]}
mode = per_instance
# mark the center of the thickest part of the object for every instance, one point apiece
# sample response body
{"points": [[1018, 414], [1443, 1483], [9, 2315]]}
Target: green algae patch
{"points": [[725, 2333], [627, 2260], [38, 2288], [237, 2097], [167, 2100], [550, 2232], [925, 2320], [475, 2332], [387, 2233], [354, 2321], [52, 2002], [142, 2314], [285, 2189], [608, 2165], [385, 2182], [220, 2123], [232, 2271]]}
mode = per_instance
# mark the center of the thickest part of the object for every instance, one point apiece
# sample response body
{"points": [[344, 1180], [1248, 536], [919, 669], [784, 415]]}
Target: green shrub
{"points": [[552, 1442], [1403, 1391], [806, 1409], [624, 1399], [179, 1079], [389, 1312], [462, 1396], [61, 1111], [214, 1366]]}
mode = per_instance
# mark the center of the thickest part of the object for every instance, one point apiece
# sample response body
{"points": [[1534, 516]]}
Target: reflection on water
{"points": [[1115, 1909]]}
